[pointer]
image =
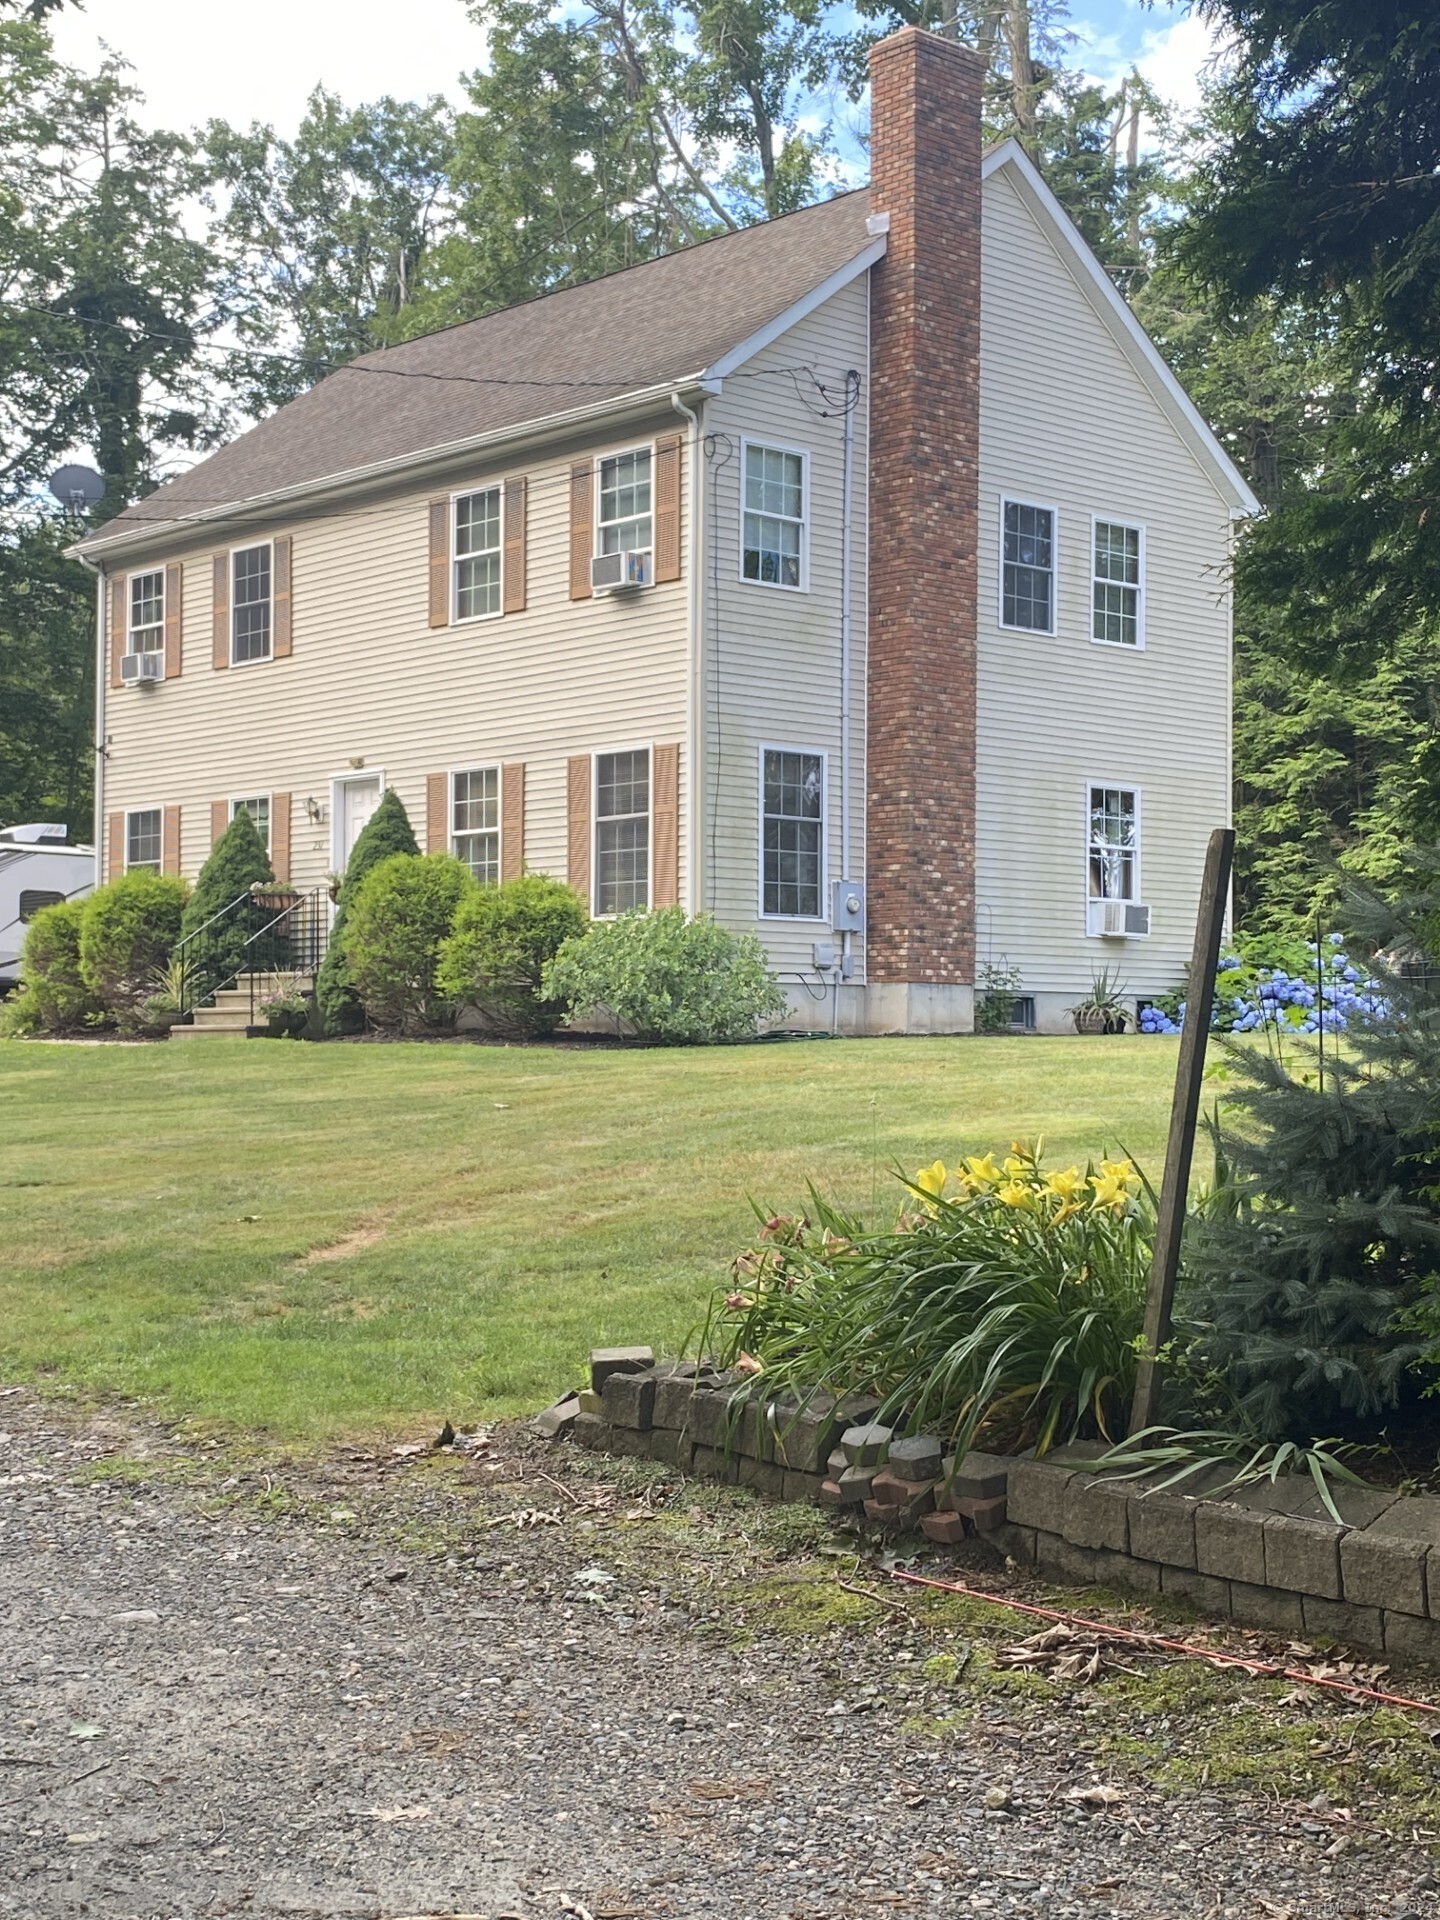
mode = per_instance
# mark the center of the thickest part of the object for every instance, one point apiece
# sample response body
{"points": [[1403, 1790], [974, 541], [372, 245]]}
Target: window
{"points": [[33, 899], [1027, 589], [793, 807], [625, 525], [622, 831], [258, 809], [1117, 584], [774, 543], [1114, 843], [250, 604], [147, 612], [475, 822], [1022, 1013], [477, 554], [142, 839]]}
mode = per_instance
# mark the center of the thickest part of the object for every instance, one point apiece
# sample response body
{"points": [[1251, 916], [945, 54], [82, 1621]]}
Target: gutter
{"points": [[694, 665]]}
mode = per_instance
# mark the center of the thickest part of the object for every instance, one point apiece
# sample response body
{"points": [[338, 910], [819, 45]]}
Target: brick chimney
{"points": [[925, 146]]}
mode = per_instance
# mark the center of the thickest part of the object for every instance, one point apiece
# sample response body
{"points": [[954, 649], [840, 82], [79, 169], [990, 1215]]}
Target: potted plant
{"points": [[273, 895], [1103, 1009], [287, 1014]]}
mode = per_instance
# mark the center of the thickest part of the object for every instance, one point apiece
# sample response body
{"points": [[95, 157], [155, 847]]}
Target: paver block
{"points": [[912, 1497], [917, 1456], [1338, 1620], [1059, 1559], [1124, 1571], [713, 1423], [805, 1435], [802, 1486], [1203, 1591], [675, 1449], [591, 1431], [1016, 1543], [763, 1476], [866, 1445], [836, 1463], [751, 1434], [1162, 1527], [1407, 1638], [1384, 1570], [1097, 1513], [979, 1476], [629, 1400], [1303, 1555], [881, 1513], [628, 1443], [945, 1529], [1357, 1506], [1414, 1518], [855, 1484], [591, 1401], [1267, 1608], [1036, 1493], [673, 1394], [831, 1496], [1230, 1541], [556, 1420], [984, 1515], [607, 1360], [856, 1409], [713, 1463]]}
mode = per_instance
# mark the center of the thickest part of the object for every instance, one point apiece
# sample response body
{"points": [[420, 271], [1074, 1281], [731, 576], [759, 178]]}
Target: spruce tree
{"points": [[238, 861], [1308, 1294], [387, 831]]}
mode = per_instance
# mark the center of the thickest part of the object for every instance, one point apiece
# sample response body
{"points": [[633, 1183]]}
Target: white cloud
{"points": [[262, 62], [1174, 59]]}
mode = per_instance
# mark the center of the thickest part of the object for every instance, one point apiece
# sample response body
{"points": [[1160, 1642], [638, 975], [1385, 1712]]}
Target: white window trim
{"points": [[237, 800], [138, 574], [802, 919], [251, 546], [479, 766], [1010, 499], [457, 619], [647, 747], [779, 586], [619, 453], [1137, 898], [1132, 526], [351, 776], [159, 867]]}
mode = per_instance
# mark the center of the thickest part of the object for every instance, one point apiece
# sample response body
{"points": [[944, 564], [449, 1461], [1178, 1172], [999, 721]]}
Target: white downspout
{"points": [[694, 666], [102, 681]]}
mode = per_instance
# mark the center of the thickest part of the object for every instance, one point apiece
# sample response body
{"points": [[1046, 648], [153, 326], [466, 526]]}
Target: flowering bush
{"points": [[1325, 997], [1005, 1304]]}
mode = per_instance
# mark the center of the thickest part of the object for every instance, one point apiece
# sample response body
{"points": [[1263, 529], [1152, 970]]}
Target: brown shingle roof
{"points": [[637, 328]]}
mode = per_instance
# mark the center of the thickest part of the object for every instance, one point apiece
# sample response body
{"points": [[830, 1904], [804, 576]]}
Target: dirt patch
{"points": [[346, 1247]]}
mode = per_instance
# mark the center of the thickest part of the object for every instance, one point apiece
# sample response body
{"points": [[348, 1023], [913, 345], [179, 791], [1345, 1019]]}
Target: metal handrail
{"points": [[219, 913], [229, 980]]}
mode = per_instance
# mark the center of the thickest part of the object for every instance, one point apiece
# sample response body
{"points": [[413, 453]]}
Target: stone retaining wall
{"points": [[1269, 1557]]}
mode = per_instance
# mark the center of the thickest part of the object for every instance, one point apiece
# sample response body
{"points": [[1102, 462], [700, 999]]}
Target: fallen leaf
{"points": [[1095, 1796], [84, 1731], [388, 1814]]}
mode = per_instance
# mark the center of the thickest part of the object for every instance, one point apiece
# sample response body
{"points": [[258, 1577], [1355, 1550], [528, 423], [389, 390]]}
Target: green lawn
{"points": [[319, 1240]]}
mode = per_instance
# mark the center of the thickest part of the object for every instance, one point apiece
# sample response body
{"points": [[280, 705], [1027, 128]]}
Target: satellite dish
{"points": [[76, 487]]}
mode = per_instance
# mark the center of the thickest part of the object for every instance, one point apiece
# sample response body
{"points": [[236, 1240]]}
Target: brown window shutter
{"points": [[512, 820], [578, 871], [667, 507], [219, 819], [582, 530], [439, 563], [280, 835], [437, 812], [174, 620], [170, 841], [665, 826], [512, 575], [115, 849], [220, 614], [118, 589], [281, 632]]}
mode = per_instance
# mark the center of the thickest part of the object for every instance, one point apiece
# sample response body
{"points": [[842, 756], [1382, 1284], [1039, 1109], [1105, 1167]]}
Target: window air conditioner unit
{"points": [[611, 571], [1120, 919], [136, 668]]}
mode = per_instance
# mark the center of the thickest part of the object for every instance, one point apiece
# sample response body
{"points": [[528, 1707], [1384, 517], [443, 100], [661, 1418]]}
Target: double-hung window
{"points": [[146, 618], [625, 524], [142, 839], [1118, 585], [773, 549], [622, 831], [1114, 860], [258, 808], [477, 554], [251, 603], [792, 833], [1027, 567], [475, 822]]}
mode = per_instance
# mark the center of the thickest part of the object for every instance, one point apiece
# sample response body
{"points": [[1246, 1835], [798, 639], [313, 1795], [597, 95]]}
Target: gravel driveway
{"points": [[503, 1684]]}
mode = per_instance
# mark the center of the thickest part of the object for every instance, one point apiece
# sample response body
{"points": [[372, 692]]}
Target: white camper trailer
{"points": [[37, 869]]}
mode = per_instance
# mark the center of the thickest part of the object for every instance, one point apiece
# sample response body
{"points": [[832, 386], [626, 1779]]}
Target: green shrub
{"points": [[55, 997], [213, 957], [127, 932], [399, 915], [503, 939], [386, 832], [667, 980]]}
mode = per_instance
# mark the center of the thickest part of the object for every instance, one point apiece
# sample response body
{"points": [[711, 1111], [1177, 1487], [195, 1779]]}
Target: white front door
{"points": [[355, 801]]}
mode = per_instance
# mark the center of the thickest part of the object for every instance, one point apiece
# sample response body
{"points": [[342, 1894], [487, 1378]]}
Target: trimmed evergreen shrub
{"points": [[386, 832], [400, 913], [504, 937], [128, 930], [667, 980], [214, 957], [53, 997]]}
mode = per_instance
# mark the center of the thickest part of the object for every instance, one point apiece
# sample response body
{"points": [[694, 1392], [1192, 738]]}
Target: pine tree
{"points": [[218, 953], [1303, 1296], [387, 831]]}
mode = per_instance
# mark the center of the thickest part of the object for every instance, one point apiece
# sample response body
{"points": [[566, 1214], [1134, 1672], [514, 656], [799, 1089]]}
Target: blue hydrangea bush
{"points": [[1311, 994]]}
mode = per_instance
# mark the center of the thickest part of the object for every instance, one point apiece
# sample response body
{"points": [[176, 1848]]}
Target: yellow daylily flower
{"points": [[982, 1171], [1123, 1171], [1065, 1183], [1110, 1191], [932, 1179], [1015, 1193], [1065, 1212]]}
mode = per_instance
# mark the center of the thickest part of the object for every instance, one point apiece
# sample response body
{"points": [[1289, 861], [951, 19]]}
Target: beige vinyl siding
{"points": [[772, 655], [370, 680], [1067, 421]]}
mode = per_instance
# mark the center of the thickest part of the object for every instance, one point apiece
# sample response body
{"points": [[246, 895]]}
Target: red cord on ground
{"points": [[1268, 1669]]}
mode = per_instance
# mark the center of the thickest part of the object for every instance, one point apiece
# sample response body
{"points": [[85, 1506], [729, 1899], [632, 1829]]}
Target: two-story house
{"points": [[858, 578]]}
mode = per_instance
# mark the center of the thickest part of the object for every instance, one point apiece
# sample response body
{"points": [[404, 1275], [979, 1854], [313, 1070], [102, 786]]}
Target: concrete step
{"points": [[208, 1033]]}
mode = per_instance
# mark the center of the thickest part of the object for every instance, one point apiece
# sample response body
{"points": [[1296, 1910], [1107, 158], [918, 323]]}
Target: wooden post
{"points": [[1184, 1115]]}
